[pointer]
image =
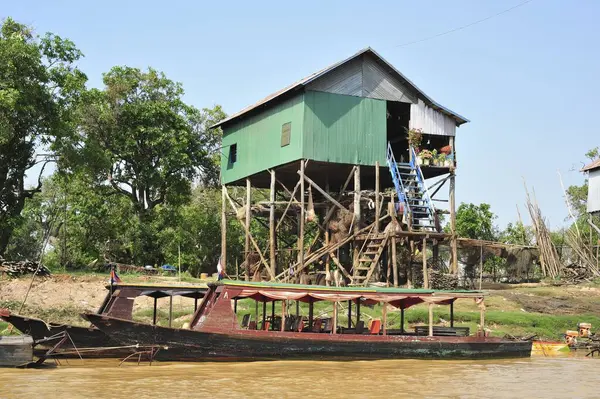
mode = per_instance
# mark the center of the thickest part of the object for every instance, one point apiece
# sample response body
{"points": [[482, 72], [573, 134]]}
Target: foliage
{"points": [[415, 137], [517, 234], [476, 221], [39, 88]]}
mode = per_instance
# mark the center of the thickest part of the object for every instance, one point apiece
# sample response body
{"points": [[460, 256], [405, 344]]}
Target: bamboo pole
{"points": [[335, 318], [283, 309], [292, 199], [272, 240], [248, 216], [393, 240], [356, 222], [377, 204], [302, 215], [327, 269], [223, 227], [481, 268], [453, 243], [319, 189]]}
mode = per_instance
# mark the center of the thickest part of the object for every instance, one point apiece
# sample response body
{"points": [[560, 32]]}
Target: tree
{"points": [[476, 221], [517, 234], [39, 88], [143, 142]]}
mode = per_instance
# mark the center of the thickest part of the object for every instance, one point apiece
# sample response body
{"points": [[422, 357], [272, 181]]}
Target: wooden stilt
{"points": [[409, 274], [223, 227], [425, 274], [356, 221], [327, 271], [302, 216], [377, 204], [453, 239], [247, 224], [482, 316], [272, 243], [481, 268], [431, 319], [154, 314], [394, 261]]}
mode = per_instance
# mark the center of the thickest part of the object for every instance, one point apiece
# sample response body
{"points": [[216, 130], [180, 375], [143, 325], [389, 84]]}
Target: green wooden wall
{"points": [[324, 127], [258, 140], [344, 129]]}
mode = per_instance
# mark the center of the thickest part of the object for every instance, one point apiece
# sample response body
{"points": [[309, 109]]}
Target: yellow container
{"points": [[203, 276]]}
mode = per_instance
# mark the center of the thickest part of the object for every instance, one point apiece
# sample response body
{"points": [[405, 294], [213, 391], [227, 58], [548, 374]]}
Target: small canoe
{"points": [[547, 348], [16, 350]]}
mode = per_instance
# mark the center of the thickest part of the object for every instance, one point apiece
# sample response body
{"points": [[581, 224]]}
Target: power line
{"points": [[464, 26]]}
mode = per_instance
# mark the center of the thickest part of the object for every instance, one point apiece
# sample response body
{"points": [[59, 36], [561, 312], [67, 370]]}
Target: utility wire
{"points": [[464, 26]]}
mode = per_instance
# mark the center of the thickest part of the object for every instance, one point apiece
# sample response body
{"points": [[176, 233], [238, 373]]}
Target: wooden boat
{"points": [[215, 333], [72, 341], [549, 348], [16, 351]]}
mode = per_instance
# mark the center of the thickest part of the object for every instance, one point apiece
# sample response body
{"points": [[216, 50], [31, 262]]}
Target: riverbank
{"points": [[518, 310]]}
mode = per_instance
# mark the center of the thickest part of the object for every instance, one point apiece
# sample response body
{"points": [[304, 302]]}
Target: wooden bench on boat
{"points": [[443, 331]]}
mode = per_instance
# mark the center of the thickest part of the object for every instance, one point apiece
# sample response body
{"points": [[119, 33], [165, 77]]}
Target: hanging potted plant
{"points": [[425, 156], [415, 137], [441, 159], [434, 158]]}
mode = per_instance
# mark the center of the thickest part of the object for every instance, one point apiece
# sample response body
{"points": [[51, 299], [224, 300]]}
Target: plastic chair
{"points": [[375, 326]]}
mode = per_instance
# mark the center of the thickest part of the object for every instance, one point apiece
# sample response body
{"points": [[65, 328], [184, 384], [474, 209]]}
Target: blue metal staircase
{"points": [[412, 192]]}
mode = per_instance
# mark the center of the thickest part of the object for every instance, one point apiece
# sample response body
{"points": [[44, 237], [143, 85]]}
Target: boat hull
{"points": [[88, 341], [16, 351], [188, 345]]}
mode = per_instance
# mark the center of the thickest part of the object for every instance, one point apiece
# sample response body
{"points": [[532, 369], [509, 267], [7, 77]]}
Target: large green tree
{"points": [[476, 221], [142, 141], [39, 89]]}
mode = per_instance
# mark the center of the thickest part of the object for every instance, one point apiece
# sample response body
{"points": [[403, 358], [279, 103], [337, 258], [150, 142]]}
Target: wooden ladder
{"points": [[368, 258]]}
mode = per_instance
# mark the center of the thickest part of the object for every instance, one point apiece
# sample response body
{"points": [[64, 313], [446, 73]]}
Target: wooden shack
{"points": [[593, 199], [351, 161]]}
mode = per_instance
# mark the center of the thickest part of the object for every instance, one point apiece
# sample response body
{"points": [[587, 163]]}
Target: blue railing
{"points": [[396, 178], [421, 181]]}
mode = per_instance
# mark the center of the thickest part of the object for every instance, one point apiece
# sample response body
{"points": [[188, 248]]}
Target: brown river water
{"points": [[538, 377]]}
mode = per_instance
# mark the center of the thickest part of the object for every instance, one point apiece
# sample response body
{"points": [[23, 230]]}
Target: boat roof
{"points": [[269, 286], [158, 290]]}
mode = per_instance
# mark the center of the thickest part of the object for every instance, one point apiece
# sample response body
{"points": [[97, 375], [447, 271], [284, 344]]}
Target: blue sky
{"points": [[526, 79]]}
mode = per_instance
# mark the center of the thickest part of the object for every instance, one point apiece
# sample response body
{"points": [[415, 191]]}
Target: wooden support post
{"points": [[394, 261], [273, 315], [431, 319], [327, 271], [402, 320], [195, 304], [384, 318], [170, 310], [248, 216], [481, 267], [453, 239], [302, 216], [425, 274], [335, 317], [264, 315], [482, 317], [356, 221], [283, 308], [409, 274], [297, 308], [272, 241], [357, 311], [349, 313], [154, 314], [377, 204], [223, 227], [452, 314], [235, 306]]}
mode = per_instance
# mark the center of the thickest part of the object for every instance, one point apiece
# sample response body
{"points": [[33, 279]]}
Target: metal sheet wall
{"points": [[346, 79], [378, 83], [258, 140], [344, 129], [593, 203], [430, 120]]}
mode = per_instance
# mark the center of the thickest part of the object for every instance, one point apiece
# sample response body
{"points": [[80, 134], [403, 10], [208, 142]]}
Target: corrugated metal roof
{"points": [[303, 82], [592, 166]]}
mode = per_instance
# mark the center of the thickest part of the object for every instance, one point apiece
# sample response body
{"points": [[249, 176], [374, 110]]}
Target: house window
{"points": [[286, 132], [233, 153]]}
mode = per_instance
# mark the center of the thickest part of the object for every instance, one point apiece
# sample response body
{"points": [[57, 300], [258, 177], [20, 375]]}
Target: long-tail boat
{"points": [[216, 334], [66, 340]]}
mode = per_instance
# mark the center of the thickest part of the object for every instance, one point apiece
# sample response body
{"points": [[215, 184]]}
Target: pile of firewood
{"points": [[442, 281], [21, 268], [577, 273]]}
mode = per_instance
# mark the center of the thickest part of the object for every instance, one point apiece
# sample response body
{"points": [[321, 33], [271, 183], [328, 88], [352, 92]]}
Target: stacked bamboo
{"points": [[21, 268], [549, 258], [584, 252]]}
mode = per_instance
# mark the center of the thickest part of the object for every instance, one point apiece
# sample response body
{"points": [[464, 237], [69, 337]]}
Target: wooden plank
{"points": [[356, 221], [394, 262], [377, 204], [272, 243], [292, 199], [319, 189]]}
